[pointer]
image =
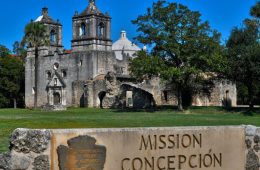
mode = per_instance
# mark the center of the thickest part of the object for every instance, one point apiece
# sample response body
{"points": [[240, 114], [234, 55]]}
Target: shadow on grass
{"points": [[246, 111], [153, 109], [196, 109], [135, 110]]}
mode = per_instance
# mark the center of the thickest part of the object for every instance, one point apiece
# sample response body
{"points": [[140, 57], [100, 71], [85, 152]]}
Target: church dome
{"points": [[124, 45]]}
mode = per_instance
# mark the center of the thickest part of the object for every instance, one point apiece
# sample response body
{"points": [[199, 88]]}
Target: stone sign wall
{"points": [[253, 148], [180, 148]]}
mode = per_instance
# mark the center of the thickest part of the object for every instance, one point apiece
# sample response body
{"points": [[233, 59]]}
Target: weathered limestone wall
{"points": [[79, 66], [78, 93], [187, 148], [224, 93]]}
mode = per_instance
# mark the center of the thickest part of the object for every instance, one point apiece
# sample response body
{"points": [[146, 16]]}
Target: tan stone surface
{"points": [[211, 148]]}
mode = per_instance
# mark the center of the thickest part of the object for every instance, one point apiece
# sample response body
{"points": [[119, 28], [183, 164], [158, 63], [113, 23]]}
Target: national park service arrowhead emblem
{"points": [[81, 153]]}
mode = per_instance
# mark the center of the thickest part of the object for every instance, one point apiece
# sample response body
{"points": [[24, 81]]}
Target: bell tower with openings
{"points": [[54, 28], [91, 30]]}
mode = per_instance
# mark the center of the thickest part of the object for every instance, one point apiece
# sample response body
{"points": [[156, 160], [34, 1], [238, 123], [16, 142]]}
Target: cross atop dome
{"points": [[45, 11]]}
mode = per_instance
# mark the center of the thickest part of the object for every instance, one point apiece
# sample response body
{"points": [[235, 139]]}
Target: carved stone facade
{"points": [[95, 72], [59, 69]]}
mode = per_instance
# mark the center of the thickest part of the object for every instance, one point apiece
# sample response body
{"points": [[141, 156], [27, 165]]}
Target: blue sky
{"points": [[223, 15]]}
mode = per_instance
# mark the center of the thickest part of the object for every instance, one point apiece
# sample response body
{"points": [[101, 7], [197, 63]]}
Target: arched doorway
{"points": [[137, 97], [227, 100], [56, 98], [101, 96]]}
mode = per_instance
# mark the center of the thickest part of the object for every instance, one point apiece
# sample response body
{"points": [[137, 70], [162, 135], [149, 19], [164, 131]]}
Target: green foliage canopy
{"points": [[255, 10], [12, 78], [184, 48], [35, 35], [244, 56]]}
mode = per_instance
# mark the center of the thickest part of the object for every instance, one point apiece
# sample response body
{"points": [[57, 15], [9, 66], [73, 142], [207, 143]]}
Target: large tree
{"points": [[244, 57], [255, 10], [185, 51], [35, 36], [11, 81], [4, 51]]}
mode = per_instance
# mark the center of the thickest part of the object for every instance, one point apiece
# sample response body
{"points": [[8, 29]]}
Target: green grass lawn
{"points": [[11, 119]]}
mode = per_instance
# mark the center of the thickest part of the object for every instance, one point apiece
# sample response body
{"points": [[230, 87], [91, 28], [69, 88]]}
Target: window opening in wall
{"points": [[56, 66], [53, 37], [119, 70], [101, 30], [80, 63], [48, 75], [82, 29], [129, 99], [165, 95], [33, 90], [55, 82], [64, 73]]}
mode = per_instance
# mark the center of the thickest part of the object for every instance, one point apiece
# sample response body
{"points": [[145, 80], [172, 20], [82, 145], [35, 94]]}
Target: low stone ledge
{"points": [[53, 108], [214, 148]]}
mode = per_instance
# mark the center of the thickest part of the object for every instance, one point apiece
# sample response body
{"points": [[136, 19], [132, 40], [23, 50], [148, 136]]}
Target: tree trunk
{"points": [[180, 106], [36, 78], [15, 103]]}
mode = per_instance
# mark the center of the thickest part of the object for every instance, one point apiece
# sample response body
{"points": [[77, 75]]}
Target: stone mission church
{"points": [[94, 73]]}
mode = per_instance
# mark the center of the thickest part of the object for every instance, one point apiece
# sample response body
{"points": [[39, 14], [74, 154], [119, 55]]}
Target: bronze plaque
{"points": [[81, 153]]}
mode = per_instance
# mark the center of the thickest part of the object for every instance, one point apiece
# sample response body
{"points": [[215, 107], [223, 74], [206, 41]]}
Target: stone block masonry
{"points": [[175, 148]]}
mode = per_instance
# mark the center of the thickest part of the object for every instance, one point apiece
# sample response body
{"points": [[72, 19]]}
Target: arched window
{"points": [[53, 37], [64, 73], [82, 29], [101, 30], [55, 81], [80, 63], [48, 75]]}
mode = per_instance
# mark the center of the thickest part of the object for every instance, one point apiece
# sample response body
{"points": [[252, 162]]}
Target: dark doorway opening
{"points": [[165, 95], [101, 96], [227, 100], [56, 98]]}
